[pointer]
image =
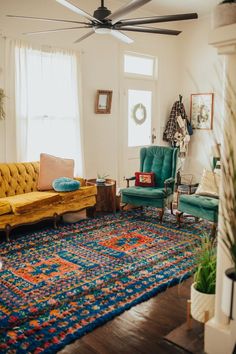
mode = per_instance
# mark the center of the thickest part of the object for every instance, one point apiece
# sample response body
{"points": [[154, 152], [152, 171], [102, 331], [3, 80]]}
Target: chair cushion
{"points": [[199, 206], [199, 201], [146, 192], [64, 184], [144, 179], [5, 207], [52, 167], [27, 202]]}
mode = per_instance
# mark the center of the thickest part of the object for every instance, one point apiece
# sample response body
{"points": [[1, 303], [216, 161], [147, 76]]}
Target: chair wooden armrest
{"points": [[128, 179], [167, 182], [192, 186]]}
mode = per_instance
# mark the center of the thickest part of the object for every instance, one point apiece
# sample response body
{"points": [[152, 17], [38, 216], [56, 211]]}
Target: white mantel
{"points": [[220, 334]]}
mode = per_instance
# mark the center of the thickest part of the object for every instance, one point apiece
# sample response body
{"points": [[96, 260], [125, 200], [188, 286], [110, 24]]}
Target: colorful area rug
{"points": [[57, 285]]}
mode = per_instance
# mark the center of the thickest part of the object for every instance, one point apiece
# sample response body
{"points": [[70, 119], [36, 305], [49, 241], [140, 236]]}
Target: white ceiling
{"points": [[50, 8], [202, 7]]}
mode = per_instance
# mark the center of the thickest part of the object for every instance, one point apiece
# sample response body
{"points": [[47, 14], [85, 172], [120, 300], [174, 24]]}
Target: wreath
{"points": [[139, 113]]}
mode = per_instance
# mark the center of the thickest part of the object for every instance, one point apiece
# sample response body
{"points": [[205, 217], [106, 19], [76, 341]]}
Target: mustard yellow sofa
{"points": [[21, 203]]}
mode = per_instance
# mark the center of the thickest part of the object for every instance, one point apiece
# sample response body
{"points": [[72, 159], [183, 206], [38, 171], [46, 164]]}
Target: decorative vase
{"points": [[200, 303], [228, 301], [224, 14]]}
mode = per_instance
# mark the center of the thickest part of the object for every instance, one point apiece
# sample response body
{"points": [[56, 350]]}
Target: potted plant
{"points": [[225, 13], [203, 288], [101, 178]]}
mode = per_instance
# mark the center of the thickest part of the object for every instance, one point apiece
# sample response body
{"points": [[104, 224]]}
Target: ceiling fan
{"points": [[105, 22]]}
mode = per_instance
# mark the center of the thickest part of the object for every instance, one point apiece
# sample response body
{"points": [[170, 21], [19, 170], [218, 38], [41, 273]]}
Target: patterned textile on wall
{"points": [[172, 126]]}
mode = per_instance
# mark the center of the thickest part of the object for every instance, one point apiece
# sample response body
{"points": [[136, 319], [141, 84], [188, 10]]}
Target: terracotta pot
{"points": [[224, 14], [200, 303], [228, 301]]}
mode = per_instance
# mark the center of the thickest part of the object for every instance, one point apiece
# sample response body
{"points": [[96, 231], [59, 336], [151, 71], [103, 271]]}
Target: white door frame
{"points": [[131, 154]]}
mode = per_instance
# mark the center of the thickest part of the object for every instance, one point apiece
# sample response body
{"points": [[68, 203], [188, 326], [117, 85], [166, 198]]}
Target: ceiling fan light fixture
{"points": [[102, 30]]}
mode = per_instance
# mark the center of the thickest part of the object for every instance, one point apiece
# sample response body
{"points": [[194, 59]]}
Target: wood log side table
{"points": [[106, 195]]}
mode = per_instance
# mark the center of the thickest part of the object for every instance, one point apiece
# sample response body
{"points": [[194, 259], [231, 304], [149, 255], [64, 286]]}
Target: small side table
{"points": [[106, 195]]}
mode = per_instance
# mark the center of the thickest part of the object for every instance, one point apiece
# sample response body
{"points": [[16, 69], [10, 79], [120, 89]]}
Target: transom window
{"points": [[137, 64]]}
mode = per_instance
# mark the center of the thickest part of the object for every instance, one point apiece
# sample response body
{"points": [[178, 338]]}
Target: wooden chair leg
{"points": [[123, 206], [161, 214], [55, 219], [179, 215], [7, 232], [171, 208], [91, 212]]}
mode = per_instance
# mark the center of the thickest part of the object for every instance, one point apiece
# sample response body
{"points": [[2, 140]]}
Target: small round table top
{"points": [[108, 182]]}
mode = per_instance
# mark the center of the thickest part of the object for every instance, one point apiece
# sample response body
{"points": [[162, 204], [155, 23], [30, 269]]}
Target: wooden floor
{"points": [[140, 329]]}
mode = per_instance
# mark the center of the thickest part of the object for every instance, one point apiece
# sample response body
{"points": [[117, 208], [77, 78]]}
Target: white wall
{"points": [[202, 71], [2, 122], [101, 59], [102, 69], [186, 64]]}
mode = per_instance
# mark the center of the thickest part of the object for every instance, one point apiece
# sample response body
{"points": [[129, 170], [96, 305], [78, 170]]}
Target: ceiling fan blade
{"points": [[121, 36], [46, 19], [85, 36], [157, 19], [77, 10], [56, 30], [124, 10], [150, 30]]}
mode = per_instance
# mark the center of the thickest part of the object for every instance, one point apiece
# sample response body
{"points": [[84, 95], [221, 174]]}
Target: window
{"points": [[139, 65], [47, 104]]}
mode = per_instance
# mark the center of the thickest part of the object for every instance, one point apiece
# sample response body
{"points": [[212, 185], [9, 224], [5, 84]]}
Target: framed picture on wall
{"points": [[201, 110], [103, 102]]}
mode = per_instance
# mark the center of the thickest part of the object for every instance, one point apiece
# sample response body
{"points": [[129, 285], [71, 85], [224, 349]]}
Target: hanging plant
{"points": [[2, 112]]}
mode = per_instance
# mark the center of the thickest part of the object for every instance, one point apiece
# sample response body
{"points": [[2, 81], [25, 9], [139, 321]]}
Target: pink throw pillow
{"points": [[52, 167]]}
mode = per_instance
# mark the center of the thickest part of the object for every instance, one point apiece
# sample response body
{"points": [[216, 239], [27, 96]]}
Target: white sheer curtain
{"points": [[47, 104]]}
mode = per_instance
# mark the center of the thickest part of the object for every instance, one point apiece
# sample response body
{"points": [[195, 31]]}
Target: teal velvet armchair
{"points": [[162, 161], [200, 206]]}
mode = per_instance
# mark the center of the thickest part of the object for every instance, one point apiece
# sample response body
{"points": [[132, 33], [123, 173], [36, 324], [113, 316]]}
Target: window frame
{"points": [[140, 76]]}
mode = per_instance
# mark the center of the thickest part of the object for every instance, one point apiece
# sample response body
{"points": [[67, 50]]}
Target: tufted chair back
{"points": [[18, 178], [161, 160]]}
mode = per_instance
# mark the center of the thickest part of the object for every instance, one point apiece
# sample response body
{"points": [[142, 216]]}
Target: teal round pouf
{"points": [[65, 184]]}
